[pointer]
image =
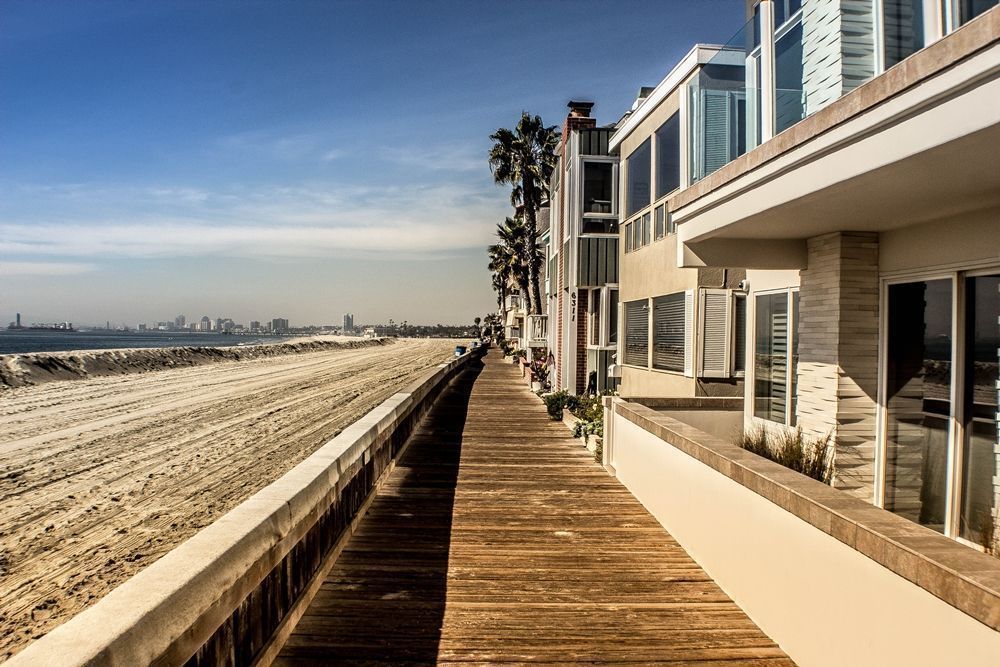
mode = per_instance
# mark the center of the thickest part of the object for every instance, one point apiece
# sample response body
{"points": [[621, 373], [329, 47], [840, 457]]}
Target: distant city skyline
{"points": [[303, 158]]}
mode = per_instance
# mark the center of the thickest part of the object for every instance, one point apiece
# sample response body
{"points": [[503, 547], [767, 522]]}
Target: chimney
{"points": [[578, 118]]}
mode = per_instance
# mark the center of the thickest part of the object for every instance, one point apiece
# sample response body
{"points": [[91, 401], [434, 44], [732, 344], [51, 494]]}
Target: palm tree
{"points": [[508, 261], [525, 158]]}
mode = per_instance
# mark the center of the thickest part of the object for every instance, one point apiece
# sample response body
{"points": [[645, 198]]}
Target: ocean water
{"points": [[16, 342]]}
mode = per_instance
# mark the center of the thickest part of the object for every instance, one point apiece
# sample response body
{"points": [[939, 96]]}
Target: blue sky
{"points": [[289, 159]]}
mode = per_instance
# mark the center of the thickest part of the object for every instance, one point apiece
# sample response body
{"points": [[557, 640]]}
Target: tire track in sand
{"points": [[99, 478]]}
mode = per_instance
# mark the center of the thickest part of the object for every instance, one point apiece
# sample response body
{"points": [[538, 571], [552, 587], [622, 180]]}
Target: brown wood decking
{"points": [[498, 539]]}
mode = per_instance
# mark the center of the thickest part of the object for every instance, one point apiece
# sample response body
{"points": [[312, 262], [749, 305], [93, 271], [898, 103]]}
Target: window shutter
{"points": [[689, 333], [669, 337], [714, 353], [637, 333], [715, 125]]}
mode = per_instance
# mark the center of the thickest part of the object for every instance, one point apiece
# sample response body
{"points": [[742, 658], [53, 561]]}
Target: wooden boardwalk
{"points": [[498, 539]]}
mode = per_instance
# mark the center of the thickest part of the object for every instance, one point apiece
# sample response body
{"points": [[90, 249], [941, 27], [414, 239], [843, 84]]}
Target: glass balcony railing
{"points": [[724, 104]]}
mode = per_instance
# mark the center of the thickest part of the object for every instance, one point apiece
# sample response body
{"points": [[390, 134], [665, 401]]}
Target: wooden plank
{"points": [[498, 539]]}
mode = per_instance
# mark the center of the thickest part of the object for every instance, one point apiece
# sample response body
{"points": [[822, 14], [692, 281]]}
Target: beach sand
{"points": [[100, 476]]}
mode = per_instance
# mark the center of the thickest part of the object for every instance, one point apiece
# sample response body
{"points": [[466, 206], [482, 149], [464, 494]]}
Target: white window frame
{"points": [[956, 429], [750, 378], [736, 295], [604, 335], [614, 189]]}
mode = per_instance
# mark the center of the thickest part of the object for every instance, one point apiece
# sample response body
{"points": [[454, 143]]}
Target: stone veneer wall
{"points": [[837, 373]]}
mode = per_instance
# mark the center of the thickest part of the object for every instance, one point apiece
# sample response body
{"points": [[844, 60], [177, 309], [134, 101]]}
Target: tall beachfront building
{"points": [[845, 155], [581, 257], [348, 323]]}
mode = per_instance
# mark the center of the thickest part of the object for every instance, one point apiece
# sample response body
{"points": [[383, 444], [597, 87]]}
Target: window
{"points": [[594, 307], [739, 334], [597, 187], [783, 9], [903, 29], [980, 463], [668, 156], [637, 168], [789, 97], [600, 225], [645, 229], [918, 400], [612, 316], [628, 237], [637, 333], [970, 9], [924, 366], [660, 222], [775, 357], [669, 332]]}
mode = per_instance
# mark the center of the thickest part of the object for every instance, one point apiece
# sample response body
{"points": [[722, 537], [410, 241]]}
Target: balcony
{"points": [[538, 330]]}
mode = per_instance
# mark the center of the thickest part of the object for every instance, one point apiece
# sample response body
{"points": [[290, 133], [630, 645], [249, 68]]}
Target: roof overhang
{"points": [[930, 152]]}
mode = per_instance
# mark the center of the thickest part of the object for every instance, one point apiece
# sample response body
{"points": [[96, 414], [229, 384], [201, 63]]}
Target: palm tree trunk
{"points": [[530, 244]]}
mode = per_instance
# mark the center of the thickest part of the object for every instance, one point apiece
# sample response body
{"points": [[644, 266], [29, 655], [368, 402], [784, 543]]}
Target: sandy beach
{"points": [[100, 476]]}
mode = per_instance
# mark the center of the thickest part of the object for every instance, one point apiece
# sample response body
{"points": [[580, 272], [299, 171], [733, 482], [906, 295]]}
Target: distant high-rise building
{"points": [[349, 323], [206, 324], [254, 325], [279, 324], [18, 321], [180, 321]]}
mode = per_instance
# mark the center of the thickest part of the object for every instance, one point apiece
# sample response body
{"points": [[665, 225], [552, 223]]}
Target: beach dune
{"points": [[102, 475]]}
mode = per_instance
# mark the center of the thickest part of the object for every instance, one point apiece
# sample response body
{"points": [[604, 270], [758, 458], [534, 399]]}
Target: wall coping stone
{"points": [[966, 579]]}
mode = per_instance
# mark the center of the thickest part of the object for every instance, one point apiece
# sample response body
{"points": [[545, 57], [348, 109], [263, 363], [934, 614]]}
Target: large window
{"points": [[638, 187], [980, 452], [930, 438], [669, 332], [597, 187], [775, 356], [668, 156], [903, 29], [918, 400], [660, 217], [789, 96], [637, 333]]}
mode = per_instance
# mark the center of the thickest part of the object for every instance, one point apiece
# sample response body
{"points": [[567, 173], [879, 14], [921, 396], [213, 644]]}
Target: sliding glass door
{"points": [[980, 454], [940, 403], [918, 400]]}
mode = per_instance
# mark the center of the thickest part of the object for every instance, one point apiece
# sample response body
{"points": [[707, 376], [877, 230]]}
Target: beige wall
{"points": [[967, 239], [640, 382], [652, 271], [822, 601]]}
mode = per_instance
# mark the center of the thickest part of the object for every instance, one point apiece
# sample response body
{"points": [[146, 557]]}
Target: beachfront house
{"points": [[682, 327], [847, 156], [582, 256]]}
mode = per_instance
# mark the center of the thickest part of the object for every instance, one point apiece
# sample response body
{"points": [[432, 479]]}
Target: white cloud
{"points": [[8, 269], [302, 221], [438, 157]]}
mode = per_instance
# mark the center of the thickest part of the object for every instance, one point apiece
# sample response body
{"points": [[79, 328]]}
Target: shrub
{"points": [[555, 403], [791, 449]]}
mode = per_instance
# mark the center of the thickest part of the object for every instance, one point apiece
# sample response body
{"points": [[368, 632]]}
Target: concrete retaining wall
{"points": [[222, 596]]}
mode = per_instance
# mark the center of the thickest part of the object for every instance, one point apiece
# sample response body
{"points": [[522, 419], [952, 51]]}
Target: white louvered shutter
{"points": [[689, 333], [714, 352]]}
